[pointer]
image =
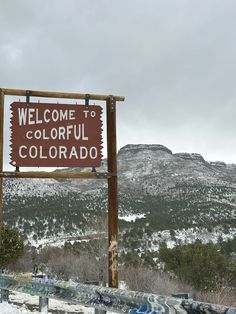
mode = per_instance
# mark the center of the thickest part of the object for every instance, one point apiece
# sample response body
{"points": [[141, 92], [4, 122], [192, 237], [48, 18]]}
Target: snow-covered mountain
{"points": [[162, 190]]}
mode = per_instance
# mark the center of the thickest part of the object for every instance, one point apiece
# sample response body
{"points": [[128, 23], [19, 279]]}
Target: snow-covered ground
{"points": [[6, 308], [22, 300]]}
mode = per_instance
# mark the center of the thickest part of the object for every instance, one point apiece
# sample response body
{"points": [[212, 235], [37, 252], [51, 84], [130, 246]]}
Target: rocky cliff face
{"points": [[154, 170], [169, 191]]}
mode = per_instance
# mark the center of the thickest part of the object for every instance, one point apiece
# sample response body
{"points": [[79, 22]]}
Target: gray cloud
{"points": [[173, 60]]}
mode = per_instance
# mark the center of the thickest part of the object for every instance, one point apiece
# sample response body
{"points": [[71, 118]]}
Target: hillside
{"points": [[174, 197]]}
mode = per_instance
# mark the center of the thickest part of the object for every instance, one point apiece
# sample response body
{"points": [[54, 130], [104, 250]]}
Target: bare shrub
{"points": [[147, 280], [24, 263], [223, 295], [49, 253], [80, 268], [88, 268]]}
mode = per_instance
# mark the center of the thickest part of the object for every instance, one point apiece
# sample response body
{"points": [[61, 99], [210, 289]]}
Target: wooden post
{"points": [[1, 155], [112, 194]]}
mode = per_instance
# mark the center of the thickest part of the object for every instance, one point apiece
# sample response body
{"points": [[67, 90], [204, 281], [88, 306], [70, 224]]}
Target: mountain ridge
{"points": [[166, 191]]}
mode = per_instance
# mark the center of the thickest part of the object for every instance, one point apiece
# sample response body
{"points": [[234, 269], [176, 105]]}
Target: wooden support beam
{"points": [[1, 155], [112, 195], [33, 93], [57, 175]]}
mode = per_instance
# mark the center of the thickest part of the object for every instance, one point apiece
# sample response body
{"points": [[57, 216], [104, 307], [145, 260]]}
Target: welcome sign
{"points": [[55, 135]]}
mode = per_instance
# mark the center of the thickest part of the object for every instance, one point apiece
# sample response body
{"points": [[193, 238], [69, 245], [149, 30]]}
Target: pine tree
{"points": [[200, 265], [11, 246]]}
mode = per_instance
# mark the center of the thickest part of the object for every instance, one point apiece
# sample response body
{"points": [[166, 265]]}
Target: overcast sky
{"points": [[173, 60]]}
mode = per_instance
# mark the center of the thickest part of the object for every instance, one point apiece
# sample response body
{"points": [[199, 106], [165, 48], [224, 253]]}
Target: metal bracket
{"points": [[27, 97], [94, 169], [105, 175], [101, 175], [112, 103], [87, 96], [17, 169]]}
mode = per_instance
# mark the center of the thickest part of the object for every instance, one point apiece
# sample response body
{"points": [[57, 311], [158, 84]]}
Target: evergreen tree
{"points": [[200, 265], [11, 246]]}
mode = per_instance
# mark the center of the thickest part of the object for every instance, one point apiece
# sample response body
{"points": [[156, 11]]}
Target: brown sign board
{"points": [[55, 135]]}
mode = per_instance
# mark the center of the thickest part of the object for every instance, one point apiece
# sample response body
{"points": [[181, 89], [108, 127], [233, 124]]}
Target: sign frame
{"points": [[110, 175]]}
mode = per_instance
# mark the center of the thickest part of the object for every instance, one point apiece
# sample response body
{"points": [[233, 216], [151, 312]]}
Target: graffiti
{"points": [[114, 300], [200, 307], [147, 309], [101, 300], [113, 250]]}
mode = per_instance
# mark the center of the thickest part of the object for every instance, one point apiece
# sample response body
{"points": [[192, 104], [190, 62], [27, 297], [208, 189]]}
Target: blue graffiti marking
{"points": [[146, 309]]}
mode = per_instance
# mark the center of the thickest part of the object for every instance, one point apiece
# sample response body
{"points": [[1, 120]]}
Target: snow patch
{"points": [[133, 218]]}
